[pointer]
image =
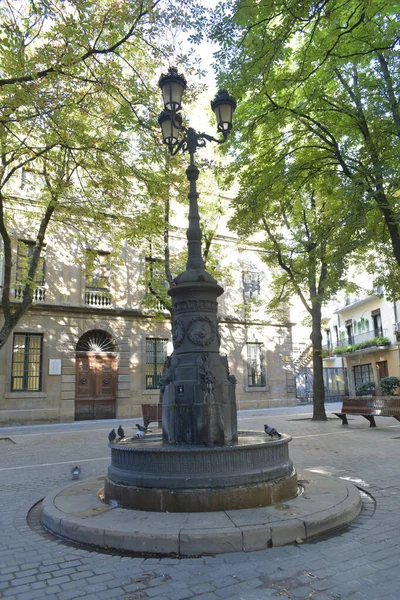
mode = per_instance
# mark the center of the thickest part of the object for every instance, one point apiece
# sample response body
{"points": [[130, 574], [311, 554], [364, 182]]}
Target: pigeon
{"points": [[272, 432], [120, 432], [140, 434], [141, 428], [112, 436], [75, 472]]}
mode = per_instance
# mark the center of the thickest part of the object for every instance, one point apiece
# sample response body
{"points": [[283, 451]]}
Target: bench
{"points": [[152, 413], [370, 407]]}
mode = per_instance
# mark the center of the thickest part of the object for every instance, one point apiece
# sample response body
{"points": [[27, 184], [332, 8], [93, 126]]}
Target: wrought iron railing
{"points": [[367, 336]]}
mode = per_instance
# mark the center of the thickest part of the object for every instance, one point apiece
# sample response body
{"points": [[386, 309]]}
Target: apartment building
{"points": [[361, 337]]}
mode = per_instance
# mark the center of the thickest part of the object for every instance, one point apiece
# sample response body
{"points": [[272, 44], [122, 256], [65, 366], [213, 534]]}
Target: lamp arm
{"points": [[192, 140], [210, 138]]}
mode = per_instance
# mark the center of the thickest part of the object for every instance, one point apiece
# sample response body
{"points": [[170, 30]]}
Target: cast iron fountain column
{"points": [[199, 405]]}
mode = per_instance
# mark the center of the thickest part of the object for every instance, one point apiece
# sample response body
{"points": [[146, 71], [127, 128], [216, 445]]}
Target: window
{"points": [[155, 272], [349, 330], [98, 270], [377, 322], [255, 365], [24, 257], [97, 292], [251, 285], [156, 355], [26, 373], [362, 374], [25, 251], [328, 338], [336, 331]]}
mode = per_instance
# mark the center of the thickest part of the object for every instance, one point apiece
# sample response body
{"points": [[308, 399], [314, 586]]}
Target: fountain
{"points": [[201, 486]]}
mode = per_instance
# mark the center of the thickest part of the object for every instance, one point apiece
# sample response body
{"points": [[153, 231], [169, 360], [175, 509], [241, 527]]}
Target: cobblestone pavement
{"points": [[361, 562]]}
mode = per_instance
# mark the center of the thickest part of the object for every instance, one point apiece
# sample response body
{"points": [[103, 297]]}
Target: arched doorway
{"points": [[96, 376]]}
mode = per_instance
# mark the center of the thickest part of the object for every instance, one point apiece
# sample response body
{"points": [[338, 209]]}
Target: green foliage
{"points": [[78, 117], [377, 341], [316, 85], [389, 385], [366, 388]]}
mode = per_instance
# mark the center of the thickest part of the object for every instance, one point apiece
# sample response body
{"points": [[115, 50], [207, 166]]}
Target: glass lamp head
{"points": [[223, 106], [172, 87], [170, 124]]}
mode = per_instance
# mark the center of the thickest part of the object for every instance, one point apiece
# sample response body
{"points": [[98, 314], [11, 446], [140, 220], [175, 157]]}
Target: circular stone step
{"points": [[76, 513]]}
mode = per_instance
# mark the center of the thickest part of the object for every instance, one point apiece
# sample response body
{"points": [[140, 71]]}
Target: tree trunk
{"points": [[318, 383]]}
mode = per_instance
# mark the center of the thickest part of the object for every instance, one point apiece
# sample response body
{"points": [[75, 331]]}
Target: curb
{"points": [[75, 513]]}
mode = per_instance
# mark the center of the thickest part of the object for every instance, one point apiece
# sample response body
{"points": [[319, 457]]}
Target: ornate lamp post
{"points": [[199, 404], [172, 86]]}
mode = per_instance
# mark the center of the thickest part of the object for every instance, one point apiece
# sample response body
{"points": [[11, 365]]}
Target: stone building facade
{"points": [[88, 349]]}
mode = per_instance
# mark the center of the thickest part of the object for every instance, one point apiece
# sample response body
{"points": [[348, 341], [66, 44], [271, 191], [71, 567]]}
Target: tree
{"points": [[324, 76], [316, 88], [305, 244], [77, 112]]}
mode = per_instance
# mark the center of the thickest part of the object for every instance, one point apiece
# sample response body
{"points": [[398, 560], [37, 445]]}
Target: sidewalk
{"points": [[360, 562]]}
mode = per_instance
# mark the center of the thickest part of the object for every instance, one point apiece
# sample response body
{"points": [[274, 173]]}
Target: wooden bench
{"points": [[152, 413], [370, 407]]}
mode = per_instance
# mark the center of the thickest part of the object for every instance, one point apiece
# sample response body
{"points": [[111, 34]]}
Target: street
{"points": [[360, 562]]}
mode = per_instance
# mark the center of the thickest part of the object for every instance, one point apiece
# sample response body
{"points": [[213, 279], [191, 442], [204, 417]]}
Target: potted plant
{"points": [[389, 385], [366, 389]]}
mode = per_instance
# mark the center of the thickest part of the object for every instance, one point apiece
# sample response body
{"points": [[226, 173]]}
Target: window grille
{"points": [[156, 356], [255, 365], [363, 374], [26, 375], [251, 285]]}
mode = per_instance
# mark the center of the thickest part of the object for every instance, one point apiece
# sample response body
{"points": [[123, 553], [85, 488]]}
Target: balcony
{"points": [[39, 294], [98, 298], [367, 341]]}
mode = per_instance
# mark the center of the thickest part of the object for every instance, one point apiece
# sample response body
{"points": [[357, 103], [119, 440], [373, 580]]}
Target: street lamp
{"points": [[199, 398], [172, 87]]}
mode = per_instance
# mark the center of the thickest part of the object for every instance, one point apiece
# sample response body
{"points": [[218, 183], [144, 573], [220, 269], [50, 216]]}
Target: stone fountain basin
{"points": [[147, 474]]}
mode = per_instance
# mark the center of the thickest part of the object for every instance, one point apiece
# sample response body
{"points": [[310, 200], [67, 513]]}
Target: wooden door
{"points": [[95, 396], [382, 369]]}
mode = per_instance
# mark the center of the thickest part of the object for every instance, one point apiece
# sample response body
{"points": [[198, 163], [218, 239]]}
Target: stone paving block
{"points": [[202, 588], [69, 594], [14, 590], [301, 592], [207, 596], [105, 595], [23, 581], [25, 573], [70, 563]]}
